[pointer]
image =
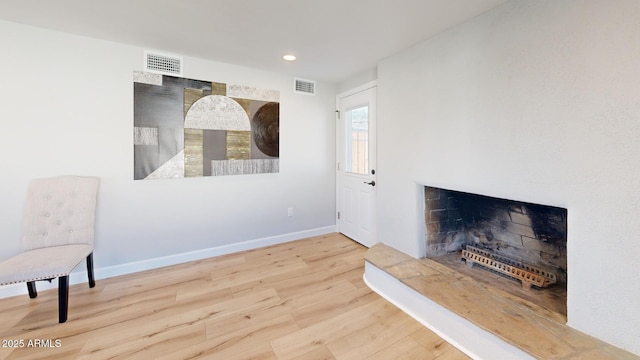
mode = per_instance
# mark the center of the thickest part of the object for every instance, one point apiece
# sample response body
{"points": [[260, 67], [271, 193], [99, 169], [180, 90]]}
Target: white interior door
{"points": [[356, 174]]}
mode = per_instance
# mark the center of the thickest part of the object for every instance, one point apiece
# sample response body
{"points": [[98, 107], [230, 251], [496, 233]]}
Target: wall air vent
{"points": [[302, 86], [163, 64]]}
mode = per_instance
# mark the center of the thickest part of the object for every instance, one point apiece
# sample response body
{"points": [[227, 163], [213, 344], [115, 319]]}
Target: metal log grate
{"points": [[527, 274]]}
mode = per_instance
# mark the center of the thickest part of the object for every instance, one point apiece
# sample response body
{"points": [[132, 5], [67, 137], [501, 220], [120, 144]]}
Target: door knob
{"points": [[372, 183]]}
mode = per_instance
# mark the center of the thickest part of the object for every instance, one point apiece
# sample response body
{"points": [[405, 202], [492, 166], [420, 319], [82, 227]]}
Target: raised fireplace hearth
{"points": [[520, 247], [483, 321]]}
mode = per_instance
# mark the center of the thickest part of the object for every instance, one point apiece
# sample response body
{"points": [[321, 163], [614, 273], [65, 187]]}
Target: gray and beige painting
{"points": [[190, 128]]}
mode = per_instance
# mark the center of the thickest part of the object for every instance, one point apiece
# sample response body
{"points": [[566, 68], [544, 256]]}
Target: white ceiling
{"points": [[333, 39]]}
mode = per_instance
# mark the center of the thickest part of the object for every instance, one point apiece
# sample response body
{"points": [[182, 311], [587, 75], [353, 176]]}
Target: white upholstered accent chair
{"points": [[57, 234]]}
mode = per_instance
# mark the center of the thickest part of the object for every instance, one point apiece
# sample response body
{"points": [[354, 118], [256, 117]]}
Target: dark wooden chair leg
{"points": [[92, 281], [63, 298], [31, 286]]}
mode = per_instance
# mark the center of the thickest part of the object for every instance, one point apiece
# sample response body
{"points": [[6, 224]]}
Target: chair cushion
{"points": [[43, 263]]}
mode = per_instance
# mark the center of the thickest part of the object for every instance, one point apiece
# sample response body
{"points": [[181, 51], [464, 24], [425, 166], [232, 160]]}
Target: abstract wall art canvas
{"points": [[190, 128]]}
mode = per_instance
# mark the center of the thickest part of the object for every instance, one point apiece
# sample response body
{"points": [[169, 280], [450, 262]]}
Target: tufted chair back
{"points": [[59, 211]]}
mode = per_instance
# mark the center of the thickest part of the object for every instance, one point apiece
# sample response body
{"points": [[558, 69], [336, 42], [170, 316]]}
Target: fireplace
{"points": [[517, 246]]}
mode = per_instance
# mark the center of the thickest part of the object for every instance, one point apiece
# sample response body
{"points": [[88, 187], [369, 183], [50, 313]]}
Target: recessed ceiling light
{"points": [[289, 57]]}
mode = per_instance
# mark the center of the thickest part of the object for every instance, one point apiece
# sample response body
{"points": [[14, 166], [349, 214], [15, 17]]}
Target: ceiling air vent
{"points": [[305, 87], [164, 64]]}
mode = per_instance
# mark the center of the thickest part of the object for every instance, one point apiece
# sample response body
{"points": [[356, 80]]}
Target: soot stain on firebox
{"points": [[548, 223]]}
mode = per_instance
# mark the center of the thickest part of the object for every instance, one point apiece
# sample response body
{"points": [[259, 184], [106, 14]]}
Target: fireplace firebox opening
{"points": [[518, 246]]}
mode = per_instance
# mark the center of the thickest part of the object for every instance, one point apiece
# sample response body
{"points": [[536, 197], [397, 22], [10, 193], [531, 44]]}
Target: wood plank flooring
{"points": [[300, 300]]}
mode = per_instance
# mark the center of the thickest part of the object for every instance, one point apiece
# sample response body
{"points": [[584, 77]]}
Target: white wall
{"points": [[536, 101], [357, 80], [66, 107]]}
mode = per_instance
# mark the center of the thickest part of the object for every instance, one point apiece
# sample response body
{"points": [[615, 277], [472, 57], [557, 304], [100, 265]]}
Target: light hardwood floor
{"points": [[300, 300]]}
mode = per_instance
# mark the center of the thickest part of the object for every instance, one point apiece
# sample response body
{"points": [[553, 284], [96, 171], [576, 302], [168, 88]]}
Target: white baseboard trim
{"points": [[78, 277], [459, 332]]}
